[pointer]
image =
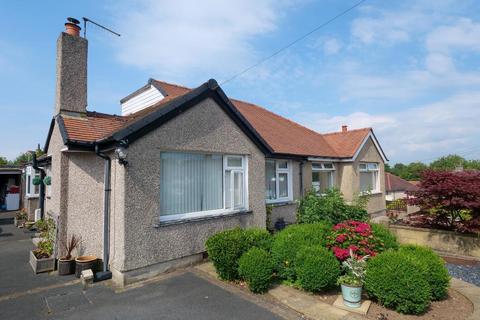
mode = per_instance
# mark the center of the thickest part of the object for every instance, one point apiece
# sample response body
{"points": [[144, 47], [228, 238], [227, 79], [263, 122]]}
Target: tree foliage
{"points": [[414, 170], [450, 197]]}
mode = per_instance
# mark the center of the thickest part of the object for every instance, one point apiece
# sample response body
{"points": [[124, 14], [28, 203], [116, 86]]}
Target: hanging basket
{"points": [[47, 180], [36, 181]]}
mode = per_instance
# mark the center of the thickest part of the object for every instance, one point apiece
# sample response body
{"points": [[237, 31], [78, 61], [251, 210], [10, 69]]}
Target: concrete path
{"points": [[181, 295]]}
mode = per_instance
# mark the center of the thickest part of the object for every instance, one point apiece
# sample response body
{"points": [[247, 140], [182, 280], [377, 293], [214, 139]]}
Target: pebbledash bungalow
{"points": [[146, 188]]}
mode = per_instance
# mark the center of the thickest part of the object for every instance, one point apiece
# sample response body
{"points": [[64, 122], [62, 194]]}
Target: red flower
{"points": [[340, 253], [341, 238]]}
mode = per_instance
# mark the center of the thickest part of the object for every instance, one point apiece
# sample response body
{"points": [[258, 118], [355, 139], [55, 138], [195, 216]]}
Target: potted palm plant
{"points": [[352, 281], [66, 264]]}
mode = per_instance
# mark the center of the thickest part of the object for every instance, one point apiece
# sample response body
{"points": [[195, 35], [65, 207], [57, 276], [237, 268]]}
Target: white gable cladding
{"points": [[141, 101]]}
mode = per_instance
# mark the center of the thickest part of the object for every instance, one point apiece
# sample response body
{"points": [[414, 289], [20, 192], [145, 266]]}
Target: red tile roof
{"points": [[395, 183], [282, 135]]}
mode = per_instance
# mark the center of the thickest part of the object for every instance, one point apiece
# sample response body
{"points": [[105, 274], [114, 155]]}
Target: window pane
{"points": [[316, 165], [321, 181], [366, 179], [282, 185], [270, 192], [237, 190], [228, 190], [234, 162], [372, 166], [328, 165], [282, 164], [190, 183], [362, 166]]}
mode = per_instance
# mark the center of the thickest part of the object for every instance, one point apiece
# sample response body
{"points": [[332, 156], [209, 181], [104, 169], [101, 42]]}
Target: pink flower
{"points": [[341, 238], [340, 253]]}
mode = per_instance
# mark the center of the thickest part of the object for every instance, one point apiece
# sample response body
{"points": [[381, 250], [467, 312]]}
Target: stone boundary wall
{"points": [[442, 241]]}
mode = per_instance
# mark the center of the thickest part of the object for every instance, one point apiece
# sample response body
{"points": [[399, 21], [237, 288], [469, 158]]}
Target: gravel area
{"points": [[468, 273]]}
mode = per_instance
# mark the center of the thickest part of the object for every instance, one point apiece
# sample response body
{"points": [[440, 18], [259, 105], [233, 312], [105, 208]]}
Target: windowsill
{"points": [[280, 203], [31, 197], [370, 193], [202, 218]]}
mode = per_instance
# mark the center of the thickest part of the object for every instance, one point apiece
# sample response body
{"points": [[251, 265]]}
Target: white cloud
{"points": [[331, 46], [419, 133], [464, 34], [191, 40]]}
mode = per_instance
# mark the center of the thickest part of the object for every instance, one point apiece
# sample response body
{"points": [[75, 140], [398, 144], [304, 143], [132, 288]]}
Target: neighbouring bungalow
{"points": [[181, 164]]}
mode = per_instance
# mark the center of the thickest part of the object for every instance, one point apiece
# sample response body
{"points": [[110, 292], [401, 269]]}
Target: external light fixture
{"points": [[121, 154]]}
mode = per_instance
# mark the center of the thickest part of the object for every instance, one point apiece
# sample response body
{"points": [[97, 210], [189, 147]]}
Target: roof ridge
{"points": [[342, 132], [172, 84], [103, 114]]}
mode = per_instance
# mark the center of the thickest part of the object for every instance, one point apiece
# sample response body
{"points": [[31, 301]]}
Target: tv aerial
{"points": [[85, 20]]}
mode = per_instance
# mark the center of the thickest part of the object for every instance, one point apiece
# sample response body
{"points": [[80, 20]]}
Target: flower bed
{"points": [[308, 256]]}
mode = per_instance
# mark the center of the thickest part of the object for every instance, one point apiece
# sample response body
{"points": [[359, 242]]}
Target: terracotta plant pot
{"points": [[85, 263], [66, 266]]}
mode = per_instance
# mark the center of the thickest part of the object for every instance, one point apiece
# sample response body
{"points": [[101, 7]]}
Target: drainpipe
{"points": [[301, 177], [41, 196], [105, 273]]}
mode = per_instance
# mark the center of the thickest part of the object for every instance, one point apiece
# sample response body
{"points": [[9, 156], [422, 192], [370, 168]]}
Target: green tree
{"points": [[3, 161], [447, 163]]}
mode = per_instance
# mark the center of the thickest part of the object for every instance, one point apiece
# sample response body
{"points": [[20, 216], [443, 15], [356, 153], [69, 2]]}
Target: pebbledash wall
{"points": [[144, 246], [346, 178]]}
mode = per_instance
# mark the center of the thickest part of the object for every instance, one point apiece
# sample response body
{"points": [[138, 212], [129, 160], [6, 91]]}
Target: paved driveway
{"points": [[185, 295]]}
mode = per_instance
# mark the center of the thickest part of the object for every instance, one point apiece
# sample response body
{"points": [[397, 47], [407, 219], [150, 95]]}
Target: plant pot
{"points": [[66, 266], [84, 263], [42, 265], [18, 222], [352, 296]]}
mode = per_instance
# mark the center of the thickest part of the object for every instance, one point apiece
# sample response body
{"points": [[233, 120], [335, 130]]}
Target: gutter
{"points": [[41, 195], [105, 274]]}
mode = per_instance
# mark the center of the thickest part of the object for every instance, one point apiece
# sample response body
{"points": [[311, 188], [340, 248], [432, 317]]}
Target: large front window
{"points": [[322, 177], [278, 181], [369, 178], [194, 184]]}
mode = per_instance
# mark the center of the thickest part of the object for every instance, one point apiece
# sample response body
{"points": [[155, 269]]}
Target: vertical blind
{"points": [[190, 182]]}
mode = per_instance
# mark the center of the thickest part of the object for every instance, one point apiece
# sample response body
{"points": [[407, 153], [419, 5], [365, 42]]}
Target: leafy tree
{"points": [[450, 162], [450, 197], [3, 161]]}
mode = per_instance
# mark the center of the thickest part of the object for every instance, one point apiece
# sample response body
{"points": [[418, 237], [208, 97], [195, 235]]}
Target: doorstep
{"points": [[363, 309]]}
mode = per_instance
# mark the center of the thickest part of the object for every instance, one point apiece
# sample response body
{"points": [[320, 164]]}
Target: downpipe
{"points": [[105, 274]]}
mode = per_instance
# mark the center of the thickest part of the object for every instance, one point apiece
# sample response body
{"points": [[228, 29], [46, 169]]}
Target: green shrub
{"points": [[433, 268], [330, 207], [225, 248], [287, 242], [256, 268], [385, 235], [257, 237], [397, 283], [316, 268]]}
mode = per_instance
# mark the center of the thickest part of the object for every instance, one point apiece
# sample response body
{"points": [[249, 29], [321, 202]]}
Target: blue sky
{"points": [[409, 69]]}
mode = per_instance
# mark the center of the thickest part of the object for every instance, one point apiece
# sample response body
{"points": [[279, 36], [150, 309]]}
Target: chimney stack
{"points": [[71, 89], [344, 128]]}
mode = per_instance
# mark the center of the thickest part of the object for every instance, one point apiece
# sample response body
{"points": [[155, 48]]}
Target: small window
{"points": [[234, 162], [30, 174], [369, 177], [322, 177], [278, 181]]}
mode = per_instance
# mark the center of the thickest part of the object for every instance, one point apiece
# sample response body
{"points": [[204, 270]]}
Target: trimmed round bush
{"points": [[225, 248], [397, 283], [288, 242], [257, 237], [432, 266], [256, 268], [316, 268], [385, 235]]}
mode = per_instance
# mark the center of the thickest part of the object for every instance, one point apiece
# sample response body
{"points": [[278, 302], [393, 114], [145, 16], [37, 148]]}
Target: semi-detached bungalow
{"points": [[180, 164]]}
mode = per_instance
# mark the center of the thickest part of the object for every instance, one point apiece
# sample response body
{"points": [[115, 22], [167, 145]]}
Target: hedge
{"points": [[256, 268], [316, 268]]}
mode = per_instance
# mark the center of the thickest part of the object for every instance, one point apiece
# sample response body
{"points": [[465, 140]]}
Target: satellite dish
{"points": [[73, 20]]}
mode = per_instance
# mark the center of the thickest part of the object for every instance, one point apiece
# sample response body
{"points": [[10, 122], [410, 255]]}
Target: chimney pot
{"points": [[72, 27], [344, 128]]}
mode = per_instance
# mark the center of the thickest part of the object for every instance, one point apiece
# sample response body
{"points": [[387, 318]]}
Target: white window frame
{"points": [[370, 167], [30, 187], [322, 168], [221, 211], [278, 171]]}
